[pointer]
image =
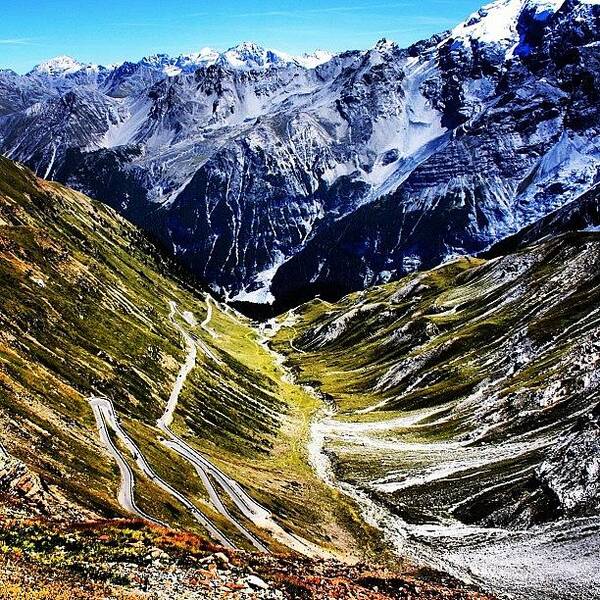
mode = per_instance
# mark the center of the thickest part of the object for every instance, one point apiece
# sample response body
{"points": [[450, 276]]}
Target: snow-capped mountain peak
{"points": [[245, 56], [204, 57], [497, 22], [60, 65], [384, 44], [314, 59], [156, 60], [172, 66], [249, 55]]}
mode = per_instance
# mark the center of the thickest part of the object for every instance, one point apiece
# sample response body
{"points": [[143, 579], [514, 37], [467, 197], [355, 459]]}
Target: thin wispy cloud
{"points": [[416, 24], [349, 8], [16, 42], [295, 13]]}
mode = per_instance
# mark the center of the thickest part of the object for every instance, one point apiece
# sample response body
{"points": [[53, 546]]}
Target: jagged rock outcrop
{"points": [[24, 493]]}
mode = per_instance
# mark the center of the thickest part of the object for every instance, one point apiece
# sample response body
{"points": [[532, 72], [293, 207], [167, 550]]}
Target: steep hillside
{"points": [[151, 445], [464, 412], [122, 390]]}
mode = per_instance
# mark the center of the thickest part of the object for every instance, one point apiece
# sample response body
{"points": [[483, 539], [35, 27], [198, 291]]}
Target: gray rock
{"points": [[256, 582]]}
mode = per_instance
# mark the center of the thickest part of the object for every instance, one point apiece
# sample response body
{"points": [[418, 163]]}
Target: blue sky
{"points": [[107, 31]]}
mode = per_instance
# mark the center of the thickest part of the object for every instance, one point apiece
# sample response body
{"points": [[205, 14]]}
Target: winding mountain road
{"points": [[101, 408], [105, 417], [247, 506], [202, 466]]}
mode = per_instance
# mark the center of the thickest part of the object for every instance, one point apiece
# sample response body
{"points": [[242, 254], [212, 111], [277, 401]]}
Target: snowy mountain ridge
{"points": [[61, 65], [497, 22], [247, 55]]}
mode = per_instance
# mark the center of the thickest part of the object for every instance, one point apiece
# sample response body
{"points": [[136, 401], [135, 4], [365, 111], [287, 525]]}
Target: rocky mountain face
{"points": [[524, 143], [274, 178], [582, 214]]}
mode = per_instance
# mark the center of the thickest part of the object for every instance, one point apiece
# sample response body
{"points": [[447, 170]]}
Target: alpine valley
{"points": [[318, 326]]}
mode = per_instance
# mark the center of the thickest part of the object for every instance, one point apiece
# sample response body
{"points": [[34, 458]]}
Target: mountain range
{"points": [[274, 178]]}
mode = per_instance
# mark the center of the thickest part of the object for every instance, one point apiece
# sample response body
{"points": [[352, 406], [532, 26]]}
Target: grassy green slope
{"points": [[83, 310]]}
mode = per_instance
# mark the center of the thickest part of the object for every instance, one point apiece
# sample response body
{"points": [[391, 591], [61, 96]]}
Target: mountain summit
{"points": [[59, 66]]}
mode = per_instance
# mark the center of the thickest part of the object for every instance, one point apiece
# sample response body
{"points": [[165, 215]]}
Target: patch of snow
{"points": [[171, 70], [566, 149], [123, 131], [497, 22], [313, 60], [262, 294]]}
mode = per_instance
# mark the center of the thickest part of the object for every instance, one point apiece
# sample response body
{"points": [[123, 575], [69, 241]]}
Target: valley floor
{"points": [[554, 561]]}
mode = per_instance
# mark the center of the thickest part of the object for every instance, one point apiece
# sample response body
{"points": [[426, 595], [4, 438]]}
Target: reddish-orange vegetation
{"points": [[41, 559]]}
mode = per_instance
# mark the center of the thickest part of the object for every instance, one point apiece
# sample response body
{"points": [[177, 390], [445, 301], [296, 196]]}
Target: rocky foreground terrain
{"points": [[123, 558]]}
